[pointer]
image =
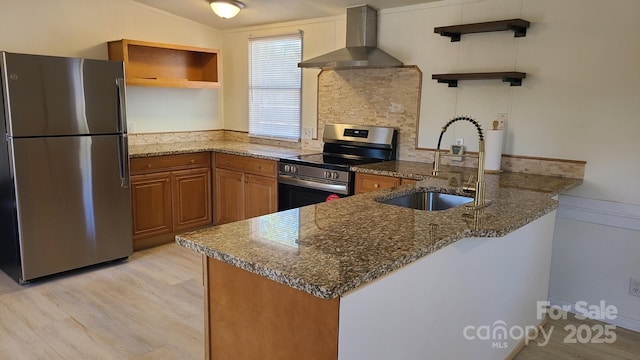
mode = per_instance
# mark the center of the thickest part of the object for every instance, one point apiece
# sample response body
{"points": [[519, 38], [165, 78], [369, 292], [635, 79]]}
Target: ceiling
{"points": [[259, 12]]}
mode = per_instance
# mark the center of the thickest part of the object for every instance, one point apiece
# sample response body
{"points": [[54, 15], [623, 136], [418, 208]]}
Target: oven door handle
{"points": [[335, 188]]}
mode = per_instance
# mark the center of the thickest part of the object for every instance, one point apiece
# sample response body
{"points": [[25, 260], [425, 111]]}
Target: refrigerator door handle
{"points": [[123, 144], [122, 100], [123, 160]]}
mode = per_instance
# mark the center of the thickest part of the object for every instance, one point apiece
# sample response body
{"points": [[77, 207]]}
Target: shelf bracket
{"points": [[455, 37], [512, 81], [450, 83], [518, 31]]}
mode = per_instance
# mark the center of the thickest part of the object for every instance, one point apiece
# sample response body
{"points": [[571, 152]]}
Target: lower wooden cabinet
{"points": [[191, 198], [151, 205], [244, 187], [261, 195], [229, 196], [169, 194], [404, 181], [369, 182]]}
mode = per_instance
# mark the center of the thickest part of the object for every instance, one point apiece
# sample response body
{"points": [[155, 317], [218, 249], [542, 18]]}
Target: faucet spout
{"points": [[478, 200]]}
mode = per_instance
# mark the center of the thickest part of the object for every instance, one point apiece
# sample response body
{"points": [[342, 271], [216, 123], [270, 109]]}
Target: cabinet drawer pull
{"points": [[376, 186], [193, 161], [148, 166]]}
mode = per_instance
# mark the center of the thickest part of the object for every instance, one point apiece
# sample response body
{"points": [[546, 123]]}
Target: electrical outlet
{"points": [[307, 133], [634, 287], [460, 141], [502, 121]]}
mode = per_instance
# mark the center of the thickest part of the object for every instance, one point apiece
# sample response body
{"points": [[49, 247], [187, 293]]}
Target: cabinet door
{"points": [[229, 196], [191, 198], [151, 204], [368, 182], [260, 195]]}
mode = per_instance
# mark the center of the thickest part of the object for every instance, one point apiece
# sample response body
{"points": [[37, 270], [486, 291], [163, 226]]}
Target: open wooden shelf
{"points": [[514, 78], [518, 26], [166, 65]]}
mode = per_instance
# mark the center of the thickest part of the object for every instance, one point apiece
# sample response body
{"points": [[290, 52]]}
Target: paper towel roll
{"points": [[493, 149]]}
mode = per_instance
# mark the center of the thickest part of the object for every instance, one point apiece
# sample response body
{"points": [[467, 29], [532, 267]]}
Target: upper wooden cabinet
{"points": [[166, 65]]}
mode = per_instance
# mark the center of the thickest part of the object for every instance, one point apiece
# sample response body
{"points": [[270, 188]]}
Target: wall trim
{"points": [[621, 321], [626, 216]]}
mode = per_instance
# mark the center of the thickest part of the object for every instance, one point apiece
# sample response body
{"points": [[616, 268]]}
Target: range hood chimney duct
{"points": [[362, 42]]}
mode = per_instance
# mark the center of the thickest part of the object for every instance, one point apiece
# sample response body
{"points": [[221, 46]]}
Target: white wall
{"points": [[421, 311], [575, 103], [319, 36], [82, 27], [595, 253]]}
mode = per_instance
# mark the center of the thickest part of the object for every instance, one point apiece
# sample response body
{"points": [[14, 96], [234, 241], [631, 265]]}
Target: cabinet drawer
{"points": [[367, 182], [169, 162], [247, 164], [407, 181]]}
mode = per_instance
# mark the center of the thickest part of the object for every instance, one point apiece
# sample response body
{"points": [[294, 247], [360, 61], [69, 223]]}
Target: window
{"points": [[275, 86]]}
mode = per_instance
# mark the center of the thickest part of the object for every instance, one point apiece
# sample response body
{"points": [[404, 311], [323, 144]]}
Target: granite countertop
{"points": [[404, 169], [331, 248], [229, 147], [420, 171]]}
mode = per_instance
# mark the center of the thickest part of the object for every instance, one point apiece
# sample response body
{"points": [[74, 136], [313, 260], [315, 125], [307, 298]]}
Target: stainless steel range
{"points": [[314, 178]]}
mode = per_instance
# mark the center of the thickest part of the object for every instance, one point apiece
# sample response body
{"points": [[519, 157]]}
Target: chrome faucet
{"points": [[478, 199]]}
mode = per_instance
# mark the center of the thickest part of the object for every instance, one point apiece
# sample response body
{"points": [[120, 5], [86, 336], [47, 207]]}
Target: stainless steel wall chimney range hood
{"points": [[362, 41]]}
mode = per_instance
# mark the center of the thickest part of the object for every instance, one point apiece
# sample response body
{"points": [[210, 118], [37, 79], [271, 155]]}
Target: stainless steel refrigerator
{"points": [[64, 167]]}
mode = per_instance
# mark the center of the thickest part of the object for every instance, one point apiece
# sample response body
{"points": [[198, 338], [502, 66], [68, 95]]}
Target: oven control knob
{"points": [[327, 174], [294, 169], [287, 168], [334, 175]]}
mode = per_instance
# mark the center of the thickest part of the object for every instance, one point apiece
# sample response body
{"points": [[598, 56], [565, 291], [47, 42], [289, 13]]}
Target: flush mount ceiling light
{"points": [[226, 9]]}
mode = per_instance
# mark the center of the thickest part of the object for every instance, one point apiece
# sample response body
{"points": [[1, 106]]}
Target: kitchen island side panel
{"points": [[423, 310], [251, 317]]}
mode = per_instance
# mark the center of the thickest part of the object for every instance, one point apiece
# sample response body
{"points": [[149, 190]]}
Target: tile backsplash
{"points": [[375, 97]]}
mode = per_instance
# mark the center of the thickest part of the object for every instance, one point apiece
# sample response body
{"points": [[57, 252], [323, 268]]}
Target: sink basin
{"points": [[428, 200]]}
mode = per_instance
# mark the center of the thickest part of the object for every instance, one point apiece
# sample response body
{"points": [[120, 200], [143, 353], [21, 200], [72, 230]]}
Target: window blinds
{"points": [[275, 86]]}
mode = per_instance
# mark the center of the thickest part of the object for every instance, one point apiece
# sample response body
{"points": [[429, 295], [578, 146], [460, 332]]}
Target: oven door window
{"points": [[291, 197]]}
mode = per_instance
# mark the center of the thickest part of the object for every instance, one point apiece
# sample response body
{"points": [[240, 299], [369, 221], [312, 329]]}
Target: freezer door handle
{"points": [[122, 108], [123, 159]]}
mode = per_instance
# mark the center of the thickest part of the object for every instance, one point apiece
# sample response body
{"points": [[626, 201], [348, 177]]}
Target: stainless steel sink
{"points": [[428, 200]]}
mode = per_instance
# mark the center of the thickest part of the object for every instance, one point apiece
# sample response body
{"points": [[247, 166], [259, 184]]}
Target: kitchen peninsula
{"points": [[356, 279]]}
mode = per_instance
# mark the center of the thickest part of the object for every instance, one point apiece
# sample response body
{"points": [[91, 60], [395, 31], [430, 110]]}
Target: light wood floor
{"points": [[626, 345], [150, 307]]}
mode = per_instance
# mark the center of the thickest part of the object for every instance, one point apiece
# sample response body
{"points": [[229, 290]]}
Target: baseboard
{"points": [[621, 321], [520, 345], [626, 216]]}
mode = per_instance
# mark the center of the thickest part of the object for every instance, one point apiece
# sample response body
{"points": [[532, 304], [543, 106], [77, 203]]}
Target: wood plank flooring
{"points": [[626, 345], [149, 307]]}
